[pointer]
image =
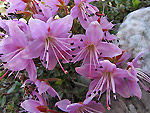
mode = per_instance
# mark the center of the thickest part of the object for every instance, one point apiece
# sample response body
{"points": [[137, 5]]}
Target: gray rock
{"points": [[134, 34]]}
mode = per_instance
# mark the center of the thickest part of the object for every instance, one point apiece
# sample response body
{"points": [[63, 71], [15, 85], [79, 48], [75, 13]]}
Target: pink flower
{"points": [[44, 12], [91, 107], [36, 106], [30, 8], [44, 86], [142, 76], [17, 5], [106, 26], [106, 77], [50, 41], [90, 46], [13, 48], [55, 4], [85, 12]]}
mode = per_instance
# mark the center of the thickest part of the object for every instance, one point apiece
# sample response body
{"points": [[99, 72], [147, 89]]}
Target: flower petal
{"points": [[94, 32], [33, 49], [17, 35], [108, 49], [97, 107], [63, 104], [74, 106], [75, 12], [121, 87], [30, 105], [38, 29], [17, 63], [61, 27], [31, 69]]}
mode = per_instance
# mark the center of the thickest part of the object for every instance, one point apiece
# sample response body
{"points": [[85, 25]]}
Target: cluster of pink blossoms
{"points": [[51, 40]]}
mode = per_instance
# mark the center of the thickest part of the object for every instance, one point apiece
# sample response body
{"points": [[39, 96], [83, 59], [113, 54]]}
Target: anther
{"points": [[46, 50], [40, 10], [81, 40], [4, 62], [41, 60], [73, 49], [101, 67], [45, 62], [71, 36], [114, 93], [95, 69], [72, 44], [101, 53], [87, 7], [94, 92], [99, 92], [73, 56], [79, 47], [89, 95], [85, 19]]}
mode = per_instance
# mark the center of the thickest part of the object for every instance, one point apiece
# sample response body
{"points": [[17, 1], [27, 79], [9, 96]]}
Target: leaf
{"points": [[135, 3], [3, 101], [11, 89], [59, 81]]}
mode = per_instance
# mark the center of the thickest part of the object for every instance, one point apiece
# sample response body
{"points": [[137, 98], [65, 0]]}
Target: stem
{"points": [[66, 10]]}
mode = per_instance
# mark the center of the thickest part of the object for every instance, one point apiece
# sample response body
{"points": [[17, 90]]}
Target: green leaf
{"points": [[3, 101], [135, 3], [11, 89], [59, 81]]}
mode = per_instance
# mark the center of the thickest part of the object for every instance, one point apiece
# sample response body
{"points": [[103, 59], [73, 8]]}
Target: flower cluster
{"points": [[50, 39]]}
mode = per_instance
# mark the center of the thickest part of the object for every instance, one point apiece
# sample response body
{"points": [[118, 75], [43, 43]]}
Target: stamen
{"points": [[113, 87], [79, 54], [58, 60], [90, 65], [71, 43], [47, 55], [107, 94]]}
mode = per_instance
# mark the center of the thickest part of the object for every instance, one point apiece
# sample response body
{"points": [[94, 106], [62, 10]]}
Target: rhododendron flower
{"points": [[106, 26], [22, 5], [134, 69], [13, 48], [50, 41], [90, 46], [25, 7], [91, 107], [85, 12], [44, 12], [36, 106], [106, 77], [44, 86], [55, 4]]}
